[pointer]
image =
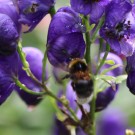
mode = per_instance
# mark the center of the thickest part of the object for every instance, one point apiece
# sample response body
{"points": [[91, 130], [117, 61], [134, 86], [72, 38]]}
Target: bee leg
{"points": [[66, 77]]}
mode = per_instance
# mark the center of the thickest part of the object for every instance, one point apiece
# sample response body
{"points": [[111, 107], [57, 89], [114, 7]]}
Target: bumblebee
{"points": [[81, 83]]}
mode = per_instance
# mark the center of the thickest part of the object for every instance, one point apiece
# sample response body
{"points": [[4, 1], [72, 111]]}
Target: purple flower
{"points": [[32, 12], [65, 39], [111, 122], [61, 129], [34, 57], [8, 69], [130, 69], [105, 97], [118, 29], [93, 7], [9, 27]]}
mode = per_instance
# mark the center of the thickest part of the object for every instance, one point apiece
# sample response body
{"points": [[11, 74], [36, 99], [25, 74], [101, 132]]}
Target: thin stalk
{"points": [[43, 67], [24, 88], [65, 104], [25, 63], [92, 128], [88, 42], [94, 35], [100, 48], [73, 131], [104, 58]]}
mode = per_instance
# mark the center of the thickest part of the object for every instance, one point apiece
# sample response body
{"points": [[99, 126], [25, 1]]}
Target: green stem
{"points": [[25, 63], [43, 67], [24, 88], [104, 58], [92, 128], [100, 48], [87, 39], [64, 103], [73, 131], [94, 35]]}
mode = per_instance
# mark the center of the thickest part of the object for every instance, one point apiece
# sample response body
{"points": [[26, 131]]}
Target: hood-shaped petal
{"points": [[65, 21], [65, 48], [88, 6], [81, 6], [65, 39], [114, 8], [32, 12]]}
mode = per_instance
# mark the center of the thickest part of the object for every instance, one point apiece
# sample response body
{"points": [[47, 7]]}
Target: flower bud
{"points": [[34, 58]]}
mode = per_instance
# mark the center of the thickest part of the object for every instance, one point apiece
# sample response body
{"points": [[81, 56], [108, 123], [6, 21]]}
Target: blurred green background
{"points": [[17, 119]]}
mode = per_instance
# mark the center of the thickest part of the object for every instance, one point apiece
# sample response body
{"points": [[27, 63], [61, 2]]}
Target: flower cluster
{"points": [[11, 66], [91, 81]]}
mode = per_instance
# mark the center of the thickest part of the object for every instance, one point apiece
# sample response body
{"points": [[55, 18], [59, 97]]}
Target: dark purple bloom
{"points": [[34, 57], [9, 27], [130, 69], [32, 12], [61, 129], [65, 39], [118, 29], [93, 7], [105, 97], [111, 122], [8, 69]]}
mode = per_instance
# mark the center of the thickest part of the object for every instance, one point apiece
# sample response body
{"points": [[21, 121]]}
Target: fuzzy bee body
{"points": [[81, 80]]}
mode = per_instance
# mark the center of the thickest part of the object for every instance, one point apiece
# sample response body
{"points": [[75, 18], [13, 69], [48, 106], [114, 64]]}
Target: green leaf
{"points": [[106, 78], [111, 68], [90, 27], [105, 81], [120, 79], [110, 62]]}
